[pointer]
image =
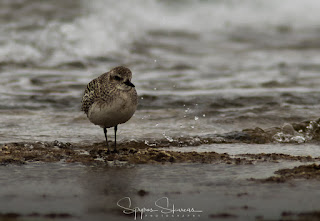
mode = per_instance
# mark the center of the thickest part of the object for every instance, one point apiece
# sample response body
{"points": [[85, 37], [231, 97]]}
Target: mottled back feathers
{"points": [[105, 88], [91, 93]]}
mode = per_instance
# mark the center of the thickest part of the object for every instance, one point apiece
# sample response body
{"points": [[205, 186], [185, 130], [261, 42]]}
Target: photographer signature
{"points": [[161, 206]]}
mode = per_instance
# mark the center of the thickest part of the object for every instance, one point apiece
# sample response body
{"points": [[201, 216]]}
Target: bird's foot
{"points": [[115, 151], [108, 151]]}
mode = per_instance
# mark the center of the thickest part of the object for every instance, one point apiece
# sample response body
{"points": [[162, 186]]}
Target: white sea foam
{"points": [[110, 27]]}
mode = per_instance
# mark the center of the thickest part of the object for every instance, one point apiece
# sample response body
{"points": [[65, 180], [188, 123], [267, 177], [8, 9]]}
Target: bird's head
{"points": [[120, 77]]}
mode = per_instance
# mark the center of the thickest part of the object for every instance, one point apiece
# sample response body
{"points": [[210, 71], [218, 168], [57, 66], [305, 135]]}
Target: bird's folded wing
{"points": [[90, 94]]}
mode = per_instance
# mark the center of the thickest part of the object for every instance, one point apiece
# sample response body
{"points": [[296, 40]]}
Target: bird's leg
{"points": [[115, 138], [105, 134]]}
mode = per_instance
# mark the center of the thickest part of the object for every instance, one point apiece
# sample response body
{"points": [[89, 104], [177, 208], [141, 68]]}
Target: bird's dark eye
{"points": [[117, 78]]}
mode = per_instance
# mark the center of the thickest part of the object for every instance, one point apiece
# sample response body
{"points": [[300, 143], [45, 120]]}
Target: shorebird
{"points": [[110, 99]]}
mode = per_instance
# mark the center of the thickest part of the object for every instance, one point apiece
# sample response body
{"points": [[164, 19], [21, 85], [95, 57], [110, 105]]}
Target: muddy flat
{"points": [[64, 181]]}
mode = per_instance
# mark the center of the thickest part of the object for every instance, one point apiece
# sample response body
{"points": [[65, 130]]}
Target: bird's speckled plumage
{"points": [[110, 99], [101, 90]]}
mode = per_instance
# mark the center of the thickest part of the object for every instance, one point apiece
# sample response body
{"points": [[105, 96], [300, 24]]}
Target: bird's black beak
{"points": [[129, 83]]}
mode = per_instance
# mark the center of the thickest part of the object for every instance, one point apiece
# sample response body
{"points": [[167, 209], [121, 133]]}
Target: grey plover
{"points": [[110, 99]]}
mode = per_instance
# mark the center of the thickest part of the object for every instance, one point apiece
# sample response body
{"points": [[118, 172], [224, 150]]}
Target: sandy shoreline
{"points": [[233, 184], [97, 154], [131, 153]]}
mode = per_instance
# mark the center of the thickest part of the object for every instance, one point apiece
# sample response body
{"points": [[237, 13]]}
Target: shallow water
{"points": [[92, 193], [234, 149], [199, 67]]}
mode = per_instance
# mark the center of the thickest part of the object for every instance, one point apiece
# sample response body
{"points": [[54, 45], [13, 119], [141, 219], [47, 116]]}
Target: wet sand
{"points": [[64, 181], [311, 171], [140, 152], [128, 153]]}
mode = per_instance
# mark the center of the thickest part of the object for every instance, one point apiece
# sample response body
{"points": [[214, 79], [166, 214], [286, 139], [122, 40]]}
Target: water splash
{"points": [[170, 139], [312, 130], [303, 132], [150, 144], [288, 138]]}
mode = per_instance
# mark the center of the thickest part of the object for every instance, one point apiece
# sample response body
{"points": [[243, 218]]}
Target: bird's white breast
{"points": [[110, 114]]}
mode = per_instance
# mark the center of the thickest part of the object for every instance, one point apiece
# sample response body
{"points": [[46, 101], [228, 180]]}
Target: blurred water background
{"points": [[200, 67]]}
